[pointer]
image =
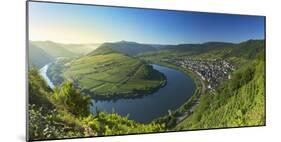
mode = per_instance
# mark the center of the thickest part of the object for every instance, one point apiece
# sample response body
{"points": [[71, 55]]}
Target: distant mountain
{"points": [[65, 50], [38, 57], [102, 50], [199, 48], [246, 49], [236, 53], [54, 49], [81, 49], [129, 48], [158, 46], [217, 44]]}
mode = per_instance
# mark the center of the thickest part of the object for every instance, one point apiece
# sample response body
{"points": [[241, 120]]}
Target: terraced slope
{"points": [[238, 102], [105, 73]]}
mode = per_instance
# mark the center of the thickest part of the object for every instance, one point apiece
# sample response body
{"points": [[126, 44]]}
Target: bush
{"points": [[71, 99]]}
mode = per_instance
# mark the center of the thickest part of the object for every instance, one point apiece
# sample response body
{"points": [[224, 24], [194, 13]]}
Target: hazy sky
{"points": [[93, 24]]}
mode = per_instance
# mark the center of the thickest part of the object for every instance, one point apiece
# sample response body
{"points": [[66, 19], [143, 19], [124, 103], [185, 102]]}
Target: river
{"points": [[43, 73], [179, 89]]}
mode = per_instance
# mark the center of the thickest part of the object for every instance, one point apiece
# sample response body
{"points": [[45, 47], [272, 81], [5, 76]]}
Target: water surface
{"points": [[179, 89]]}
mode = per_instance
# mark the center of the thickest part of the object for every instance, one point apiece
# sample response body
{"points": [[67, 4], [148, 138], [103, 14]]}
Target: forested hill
{"points": [[129, 48], [249, 49], [246, 48], [237, 54], [102, 50]]}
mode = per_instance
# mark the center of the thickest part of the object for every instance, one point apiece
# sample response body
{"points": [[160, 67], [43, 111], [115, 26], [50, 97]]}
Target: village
{"points": [[211, 71]]}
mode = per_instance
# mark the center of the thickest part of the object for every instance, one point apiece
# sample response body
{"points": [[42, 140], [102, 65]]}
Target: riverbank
{"points": [[127, 95], [146, 109], [178, 115], [153, 106], [110, 79]]}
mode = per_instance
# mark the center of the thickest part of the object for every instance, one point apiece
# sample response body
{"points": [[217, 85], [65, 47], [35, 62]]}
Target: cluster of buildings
{"points": [[211, 71]]}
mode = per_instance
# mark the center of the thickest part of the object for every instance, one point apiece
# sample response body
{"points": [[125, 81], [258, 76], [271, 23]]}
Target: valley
{"points": [[43, 52], [119, 81], [106, 74], [97, 70]]}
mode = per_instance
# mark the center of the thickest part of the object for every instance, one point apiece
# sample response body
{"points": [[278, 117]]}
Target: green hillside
{"points": [[195, 49], [65, 113], [105, 73], [248, 49], [237, 102], [38, 57], [130, 48], [238, 53]]}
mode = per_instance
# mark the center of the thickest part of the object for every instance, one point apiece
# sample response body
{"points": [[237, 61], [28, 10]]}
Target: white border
{"points": [[12, 75]]}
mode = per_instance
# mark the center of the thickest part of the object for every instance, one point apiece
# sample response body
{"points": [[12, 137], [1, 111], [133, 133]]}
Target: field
{"points": [[111, 74]]}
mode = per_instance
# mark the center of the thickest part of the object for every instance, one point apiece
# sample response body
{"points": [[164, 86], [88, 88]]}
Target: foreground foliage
{"points": [[65, 113]]}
